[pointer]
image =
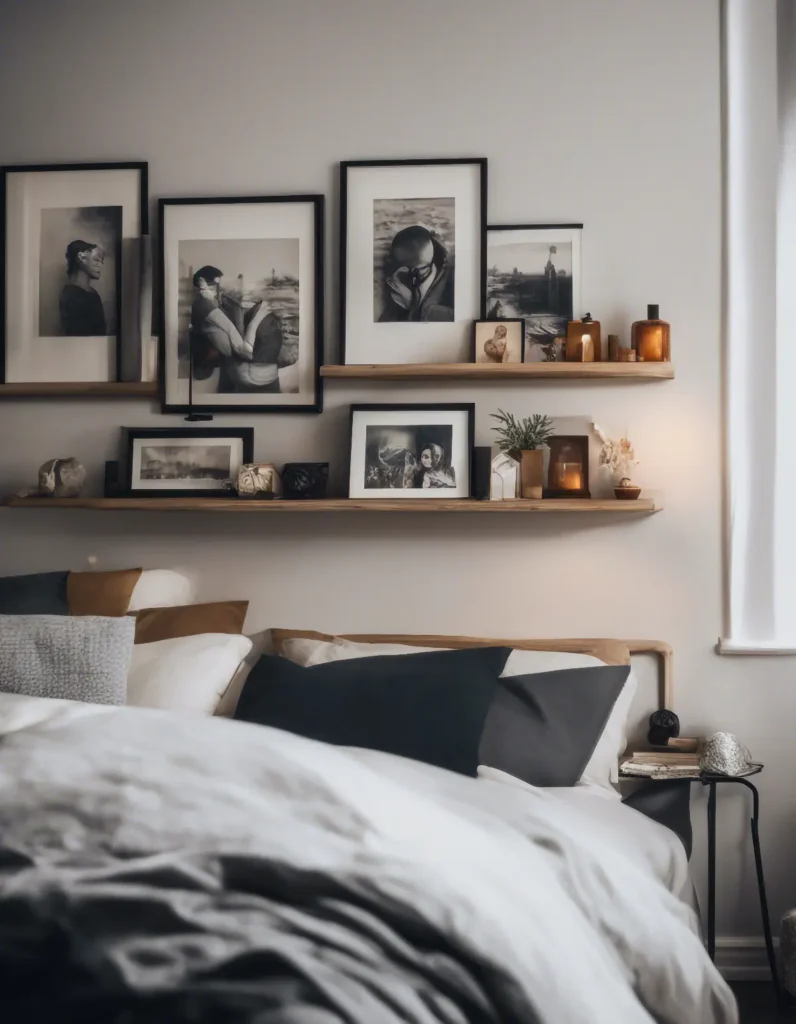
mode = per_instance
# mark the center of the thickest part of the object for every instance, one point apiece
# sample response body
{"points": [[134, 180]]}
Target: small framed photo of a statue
{"points": [[242, 287], [412, 260], [70, 262], [498, 341]]}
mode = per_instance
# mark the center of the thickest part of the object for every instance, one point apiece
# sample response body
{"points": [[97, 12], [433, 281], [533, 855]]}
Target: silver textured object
{"points": [[724, 754], [258, 478], [62, 478]]}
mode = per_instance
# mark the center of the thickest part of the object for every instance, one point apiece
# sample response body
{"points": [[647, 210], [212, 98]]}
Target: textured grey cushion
{"points": [[70, 658]]}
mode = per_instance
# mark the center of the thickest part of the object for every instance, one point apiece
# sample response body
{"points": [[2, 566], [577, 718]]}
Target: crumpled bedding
{"points": [[156, 867]]}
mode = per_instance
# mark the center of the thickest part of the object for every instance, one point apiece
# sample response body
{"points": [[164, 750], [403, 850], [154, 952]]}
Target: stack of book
{"points": [[663, 764]]}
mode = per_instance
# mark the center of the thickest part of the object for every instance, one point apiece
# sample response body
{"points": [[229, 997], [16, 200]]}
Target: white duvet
{"points": [[570, 930]]}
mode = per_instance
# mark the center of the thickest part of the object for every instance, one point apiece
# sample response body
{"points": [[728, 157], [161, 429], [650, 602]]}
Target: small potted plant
{"points": [[524, 440], [620, 457]]}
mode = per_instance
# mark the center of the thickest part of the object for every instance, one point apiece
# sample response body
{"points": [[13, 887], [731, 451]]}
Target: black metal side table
{"points": [[712, 781]]}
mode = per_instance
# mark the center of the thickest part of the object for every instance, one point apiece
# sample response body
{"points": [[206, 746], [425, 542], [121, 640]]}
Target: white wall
{"points": [[604, 112]]}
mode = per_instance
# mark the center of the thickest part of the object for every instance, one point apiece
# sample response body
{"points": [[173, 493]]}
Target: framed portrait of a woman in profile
{"points": [[71, 263]]}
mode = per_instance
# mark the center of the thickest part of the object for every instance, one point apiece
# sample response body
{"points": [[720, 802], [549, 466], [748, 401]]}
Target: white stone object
{"points": [[505, 480]]}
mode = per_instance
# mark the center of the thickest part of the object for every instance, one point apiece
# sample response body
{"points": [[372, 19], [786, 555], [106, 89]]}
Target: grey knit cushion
{"points": [[70, 658]]}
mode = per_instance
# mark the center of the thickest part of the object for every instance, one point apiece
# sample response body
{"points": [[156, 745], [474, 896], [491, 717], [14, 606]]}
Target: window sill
{"points": [[757, 647]]}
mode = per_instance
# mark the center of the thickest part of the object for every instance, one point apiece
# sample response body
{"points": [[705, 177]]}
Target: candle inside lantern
{"points": [[570, 476]]}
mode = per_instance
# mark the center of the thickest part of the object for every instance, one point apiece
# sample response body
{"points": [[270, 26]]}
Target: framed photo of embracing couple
{"points": [[242, 288]]}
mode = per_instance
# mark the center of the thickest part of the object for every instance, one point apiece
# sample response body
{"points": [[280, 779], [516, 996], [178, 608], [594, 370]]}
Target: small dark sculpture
{"points": [[305, 480]]}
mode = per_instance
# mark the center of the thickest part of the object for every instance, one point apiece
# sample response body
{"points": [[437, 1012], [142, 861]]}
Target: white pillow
{"points": [[186, 673], [162, 588], [261, 644], [603, 766]]}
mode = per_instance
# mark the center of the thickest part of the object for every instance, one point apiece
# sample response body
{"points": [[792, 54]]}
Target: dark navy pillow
{"points": [[41, 593], [430, 707]]}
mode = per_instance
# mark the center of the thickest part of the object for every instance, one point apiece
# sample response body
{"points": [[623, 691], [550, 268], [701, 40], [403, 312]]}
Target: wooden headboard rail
{"points": [[613, 652]]}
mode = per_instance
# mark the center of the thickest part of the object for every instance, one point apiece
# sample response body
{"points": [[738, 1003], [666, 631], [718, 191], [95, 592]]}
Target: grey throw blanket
{"points": [[161, 868]]}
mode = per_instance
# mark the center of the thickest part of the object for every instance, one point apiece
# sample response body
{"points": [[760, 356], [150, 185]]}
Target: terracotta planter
{"points": [[532, 473]]}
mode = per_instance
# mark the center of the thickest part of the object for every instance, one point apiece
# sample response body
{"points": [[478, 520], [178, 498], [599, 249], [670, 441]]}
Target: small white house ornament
{"points": [[505, 481]]}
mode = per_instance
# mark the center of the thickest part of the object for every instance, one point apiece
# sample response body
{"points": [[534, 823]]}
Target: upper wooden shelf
{"points": [[500, 371], [519, 505], [87, 389]]}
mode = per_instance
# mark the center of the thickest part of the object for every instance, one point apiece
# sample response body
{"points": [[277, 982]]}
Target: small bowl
{"points": [[627, 493]]}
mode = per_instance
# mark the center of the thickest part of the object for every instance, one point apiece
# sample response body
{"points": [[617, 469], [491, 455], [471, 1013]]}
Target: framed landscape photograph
{"points": [[498, 341], [70, 264], [411, 451], [413, 235], [185, 463], [533, 272], [242, 289]]}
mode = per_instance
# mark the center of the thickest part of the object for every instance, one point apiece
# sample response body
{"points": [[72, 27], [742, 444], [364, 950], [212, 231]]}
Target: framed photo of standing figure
{"points": [[411, 451], [534, 273], [242, 303], [70, 263], [412, 259], [173, 462]]}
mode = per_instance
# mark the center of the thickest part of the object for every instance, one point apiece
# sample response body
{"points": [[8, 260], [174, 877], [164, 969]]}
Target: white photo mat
{"points": [[461, 454], [225, 221], [436, 342], [28, 357], [235, 444]]}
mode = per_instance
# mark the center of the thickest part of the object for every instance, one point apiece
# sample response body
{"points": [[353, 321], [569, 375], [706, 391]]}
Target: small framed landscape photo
{"points": [[186, 463], [498, 341], [411, 451]]}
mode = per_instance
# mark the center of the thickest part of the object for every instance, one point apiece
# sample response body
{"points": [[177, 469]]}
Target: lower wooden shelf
{"points": [[88, 389], [643, 506]]}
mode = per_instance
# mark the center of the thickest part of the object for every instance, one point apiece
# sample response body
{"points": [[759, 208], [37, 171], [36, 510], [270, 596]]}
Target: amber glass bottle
{"points": [[651, 338]]}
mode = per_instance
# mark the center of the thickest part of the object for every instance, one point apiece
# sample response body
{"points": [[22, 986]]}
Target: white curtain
{"points": [[760, 324]]}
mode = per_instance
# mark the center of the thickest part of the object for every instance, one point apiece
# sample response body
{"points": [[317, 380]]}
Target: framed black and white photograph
{"points": [[411, 451], [186, 463], [498, 341], [413, 235], [533, 272], [71, 262], [242, 288]]}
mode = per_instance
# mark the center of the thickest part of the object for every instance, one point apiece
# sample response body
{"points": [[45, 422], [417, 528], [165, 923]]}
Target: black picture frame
{"points": [[580, 442], [130, 165], [576, 298], [318, 202], [345, 165], [468, 407], [132, 434], [503, 320]]}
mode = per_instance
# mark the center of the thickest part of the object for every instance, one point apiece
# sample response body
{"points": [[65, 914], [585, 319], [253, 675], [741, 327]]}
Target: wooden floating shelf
{"points": [[500, 371], [88, 389], [641, 506]]}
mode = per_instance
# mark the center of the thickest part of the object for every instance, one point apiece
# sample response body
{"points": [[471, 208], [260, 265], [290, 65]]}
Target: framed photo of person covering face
{"points": [[412, 260], [70, 262], [242, 287], [411, 451]]}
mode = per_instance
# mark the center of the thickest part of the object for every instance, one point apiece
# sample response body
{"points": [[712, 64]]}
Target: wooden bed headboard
{"points": [[612, 652]]}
